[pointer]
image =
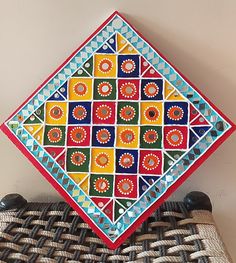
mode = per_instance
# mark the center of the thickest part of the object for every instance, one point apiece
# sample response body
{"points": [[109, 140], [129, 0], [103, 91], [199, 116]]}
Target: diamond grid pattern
{"points": [[203, 128]]}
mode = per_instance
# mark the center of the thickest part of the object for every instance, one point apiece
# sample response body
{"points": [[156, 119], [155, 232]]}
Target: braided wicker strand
{"points": [[51, 233]]}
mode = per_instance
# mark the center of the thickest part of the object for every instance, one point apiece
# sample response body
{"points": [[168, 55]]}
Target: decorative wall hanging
{"points": [[116, 129]]}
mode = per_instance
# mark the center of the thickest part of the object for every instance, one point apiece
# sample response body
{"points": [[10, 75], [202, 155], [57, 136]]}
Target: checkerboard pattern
{"points": [[116, 126], [116, 132]]}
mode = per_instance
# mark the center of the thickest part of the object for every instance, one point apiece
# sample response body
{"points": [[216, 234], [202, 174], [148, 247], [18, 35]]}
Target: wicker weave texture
{"points": [[55, 233]]}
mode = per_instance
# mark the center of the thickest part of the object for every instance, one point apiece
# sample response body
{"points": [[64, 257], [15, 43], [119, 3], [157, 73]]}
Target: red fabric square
{"points": [[78, 136], [126, 186], [128, 89], [150, 162], [104, 112], [175, 137]]}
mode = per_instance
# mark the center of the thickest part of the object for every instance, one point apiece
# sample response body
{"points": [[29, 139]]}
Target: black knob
{"points": [[197, 201], [12, 201]]}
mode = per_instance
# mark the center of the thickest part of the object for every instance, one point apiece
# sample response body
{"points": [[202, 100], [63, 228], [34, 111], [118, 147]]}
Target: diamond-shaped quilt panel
{"points": [[115, 128]]}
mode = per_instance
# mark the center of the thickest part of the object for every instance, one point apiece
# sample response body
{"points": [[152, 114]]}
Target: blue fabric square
{"points": [[152, 89], [128, 66], [120, 162], [176, 113], [103, 136], [79, 112]]}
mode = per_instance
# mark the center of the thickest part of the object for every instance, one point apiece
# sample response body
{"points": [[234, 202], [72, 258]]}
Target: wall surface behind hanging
{"points": [[196, 36]]}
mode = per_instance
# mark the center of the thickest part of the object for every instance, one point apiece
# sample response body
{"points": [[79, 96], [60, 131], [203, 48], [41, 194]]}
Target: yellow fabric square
{"points": [[80, 89], [127, 136], [56, 112], [151, 113], [102, 160], [105, 65]]}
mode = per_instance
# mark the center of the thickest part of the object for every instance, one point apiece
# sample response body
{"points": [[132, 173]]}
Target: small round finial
{"points": [[197, 201], [12, 201]]}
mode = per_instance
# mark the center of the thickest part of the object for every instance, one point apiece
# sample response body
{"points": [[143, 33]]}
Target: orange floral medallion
{"points": [[174, 137], [79, 112], [127, 136], [151, 90], [80, 88], [105, 65], [103, 136], [150, 136], [54, 135], [78, 134], [126, 160], [56, 112], [150, 161], [175, 113], [101, 185], [128, 66], [128, 90], [102, 160], [78, 158], [104, 89], [127, 113], [103, 112], [125, 186], [151, 113]]}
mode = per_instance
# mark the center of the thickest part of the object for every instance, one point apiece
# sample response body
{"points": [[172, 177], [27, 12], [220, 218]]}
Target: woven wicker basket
{"points": [[53, 232]]}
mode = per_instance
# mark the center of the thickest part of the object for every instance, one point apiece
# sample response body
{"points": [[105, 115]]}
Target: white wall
{"points": [[197, 36]]}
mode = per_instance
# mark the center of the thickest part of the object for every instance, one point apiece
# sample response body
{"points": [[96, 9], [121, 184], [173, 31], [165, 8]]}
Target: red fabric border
{"points": [[170, 190]]}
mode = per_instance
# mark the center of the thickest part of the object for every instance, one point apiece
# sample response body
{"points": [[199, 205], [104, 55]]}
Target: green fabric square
{"points": [[101, 185], [104, 89], [54, 135], [125, 111], [77, 159], [151, 137]]}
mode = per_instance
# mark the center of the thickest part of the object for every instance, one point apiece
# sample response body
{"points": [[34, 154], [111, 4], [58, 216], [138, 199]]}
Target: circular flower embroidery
{"points": [[174, 137], [78, 134], [80, 89], [103, 112], [104, 89], [150, 136], [103, 136], [150, 161], [101, 185], [79, 113], [105, 65], [175, 113], [128, 66], [126, 160], [56, 112], [78, 158], [125, 186], [102, 160], [151, 89], [128, 90], [151, 114], [127, 113], [127, 136], [54, 135]]}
